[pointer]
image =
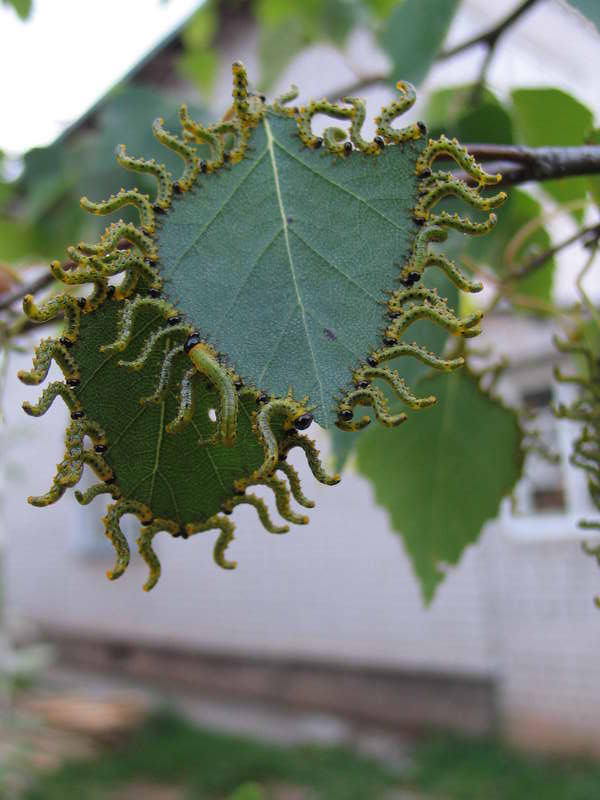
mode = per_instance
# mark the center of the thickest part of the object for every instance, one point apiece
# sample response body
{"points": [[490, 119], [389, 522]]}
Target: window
{"points": [[552, 496]]}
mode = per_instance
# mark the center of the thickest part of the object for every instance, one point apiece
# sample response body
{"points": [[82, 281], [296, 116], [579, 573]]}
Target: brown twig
{"points": [[540, 259], [536, 163], [490, 37], [8, 298]]}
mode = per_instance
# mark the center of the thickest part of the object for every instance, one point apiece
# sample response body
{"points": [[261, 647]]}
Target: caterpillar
{"points": [[169, 497], [586, 411]]}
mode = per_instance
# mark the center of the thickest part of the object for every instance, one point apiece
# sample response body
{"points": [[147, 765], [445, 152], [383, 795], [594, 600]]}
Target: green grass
{"points": [[168, 751], [473, 769]]}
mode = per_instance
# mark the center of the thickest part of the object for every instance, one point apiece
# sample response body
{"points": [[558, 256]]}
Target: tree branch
{"points": [[536, 163], [490, 37], [532, 164], [360, 84], [18, 293], [591, 231]]}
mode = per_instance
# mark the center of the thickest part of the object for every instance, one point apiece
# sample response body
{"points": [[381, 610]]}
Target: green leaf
{"points": [[200, 68], [276, 237], [443, 473], [551, 117], [55, 177], [287, 26], [248, 791], [278, 44], [519, 210], [589, 8], [451, 111], [413, 34], [15, 241], [22, 7], [177, 480], [165, 471], [200, 61]]}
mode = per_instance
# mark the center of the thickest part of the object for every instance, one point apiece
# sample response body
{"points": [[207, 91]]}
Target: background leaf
{"points": [[554, 118], [22, 7], [287, 26], [519, 210], [413, 34], [443, 473], [200, 60]]}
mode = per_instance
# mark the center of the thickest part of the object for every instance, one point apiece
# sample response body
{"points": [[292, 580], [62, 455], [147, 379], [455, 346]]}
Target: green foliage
{"points": [[169, 751], [172, 753], [465, 768], [583, 346], [42, 214], [168, 472], [520, 209], [471, 113], [287, 26], [489, 121], [413, 34], [200, 60], [22, 7], [442, 477], [553, 117], [248, 791]]}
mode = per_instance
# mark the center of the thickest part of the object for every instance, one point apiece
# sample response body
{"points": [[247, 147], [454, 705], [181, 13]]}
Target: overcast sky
{"points": [[67, 55]]}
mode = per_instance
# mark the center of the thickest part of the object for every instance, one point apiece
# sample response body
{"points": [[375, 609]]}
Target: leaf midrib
{"points": [[271, 151]]}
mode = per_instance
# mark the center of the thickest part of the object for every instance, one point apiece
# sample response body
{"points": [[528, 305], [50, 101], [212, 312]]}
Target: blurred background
{"points": [[321, 667]]}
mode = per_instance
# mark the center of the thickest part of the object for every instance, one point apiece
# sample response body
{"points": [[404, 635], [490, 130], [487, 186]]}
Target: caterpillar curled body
{"points": [[205, 362]]}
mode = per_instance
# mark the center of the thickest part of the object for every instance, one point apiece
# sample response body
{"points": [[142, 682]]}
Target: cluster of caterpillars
{"points": [[413, 301], [586, 411], [124, 266]]}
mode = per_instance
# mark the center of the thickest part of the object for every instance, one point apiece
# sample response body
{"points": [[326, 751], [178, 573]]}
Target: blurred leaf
{"points": [[443, 473], [15, 240], [519, 210], [451, 111], [413, 34], [490, 122], [287, 26], [248, 791], [22, 7], [199, 62], [380, 8], [277, 47], [589, 8], [594, 180], [55, 177], [552, 117], [200, 68]]}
